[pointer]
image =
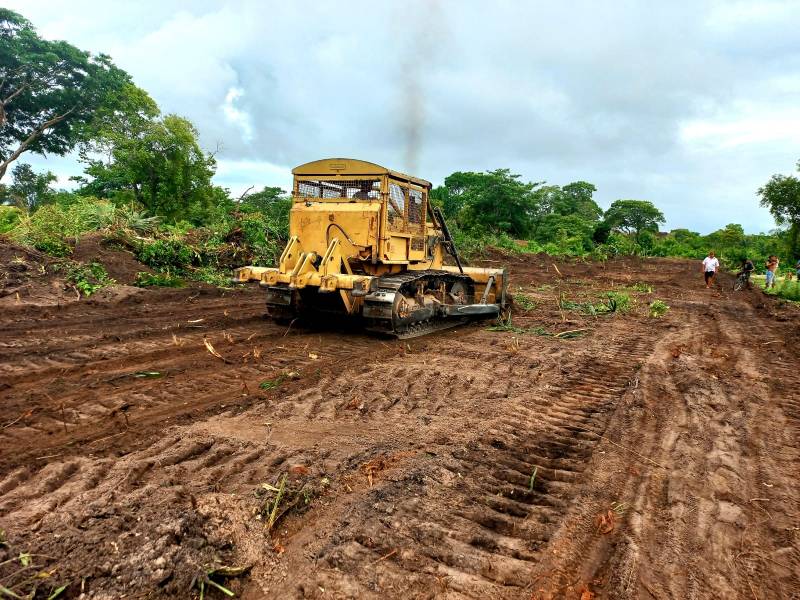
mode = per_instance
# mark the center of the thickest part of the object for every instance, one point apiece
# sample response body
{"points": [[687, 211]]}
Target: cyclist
{"points": [[746, 269]]}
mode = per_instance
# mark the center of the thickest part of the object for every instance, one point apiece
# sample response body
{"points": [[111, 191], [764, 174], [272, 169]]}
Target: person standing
{"points": [[772, 270], [710, 268]]}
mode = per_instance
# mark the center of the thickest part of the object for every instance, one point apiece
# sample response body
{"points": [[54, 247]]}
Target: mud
{"points": [[642, 458]]}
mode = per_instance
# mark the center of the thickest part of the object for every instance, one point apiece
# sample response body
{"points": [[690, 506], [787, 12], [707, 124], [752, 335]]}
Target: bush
{"points": [[658, 308], [167, 254], [212, 276], [157, 279], [52, 227], [9, 217], [87, 278]]}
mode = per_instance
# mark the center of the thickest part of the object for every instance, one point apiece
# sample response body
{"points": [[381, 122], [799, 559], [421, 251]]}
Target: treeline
{"points": [[498, 209]]}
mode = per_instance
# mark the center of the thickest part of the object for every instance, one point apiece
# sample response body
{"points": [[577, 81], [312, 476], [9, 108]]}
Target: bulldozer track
{"points": [[487, 540]]}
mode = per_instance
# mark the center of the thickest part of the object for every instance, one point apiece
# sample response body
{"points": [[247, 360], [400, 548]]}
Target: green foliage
{"points": [[87, 278], [658, 308], [781, 195], [161, 165], [29, 190], [525, 302], [575, 199], [53, 91], [52, 227], [212, 276], [165, 254], [633, 216], [144, 279], [493, 202], [788, 290], [9, 218], [610, 302]]}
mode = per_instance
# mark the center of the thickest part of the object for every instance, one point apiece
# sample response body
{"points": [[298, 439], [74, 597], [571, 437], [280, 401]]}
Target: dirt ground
{"points": [[643, 458]]}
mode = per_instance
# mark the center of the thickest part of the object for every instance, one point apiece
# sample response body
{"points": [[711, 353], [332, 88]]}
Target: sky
{"points": [[691, 105]]}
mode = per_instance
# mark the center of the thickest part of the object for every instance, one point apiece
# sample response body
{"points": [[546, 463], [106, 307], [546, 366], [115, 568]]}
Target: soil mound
{"points": [[120, 265], [20, 267]]}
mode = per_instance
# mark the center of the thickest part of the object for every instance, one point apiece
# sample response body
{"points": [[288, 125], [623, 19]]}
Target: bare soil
{"points": [[646, 457]]}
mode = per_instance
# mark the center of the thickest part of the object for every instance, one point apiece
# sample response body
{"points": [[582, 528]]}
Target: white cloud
{"points": [[646, 100], [238, 117]]}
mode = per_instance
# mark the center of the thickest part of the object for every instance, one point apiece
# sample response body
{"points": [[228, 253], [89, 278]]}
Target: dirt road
{"points": [[644, 457]]}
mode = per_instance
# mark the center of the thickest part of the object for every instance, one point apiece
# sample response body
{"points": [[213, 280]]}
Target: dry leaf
{"points": [[605, 522], [299, 470], [587, 594], [211, 350]]}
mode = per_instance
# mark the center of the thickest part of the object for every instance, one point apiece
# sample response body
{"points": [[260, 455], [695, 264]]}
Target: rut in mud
{"points": [[645, 457]]}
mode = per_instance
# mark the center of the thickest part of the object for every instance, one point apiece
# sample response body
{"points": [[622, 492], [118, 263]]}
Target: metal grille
{"points": [[359, 189], [414, 208], [397, 207]]}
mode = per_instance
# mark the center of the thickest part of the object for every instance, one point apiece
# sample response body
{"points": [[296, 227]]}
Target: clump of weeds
{"points": [[658, 308]]}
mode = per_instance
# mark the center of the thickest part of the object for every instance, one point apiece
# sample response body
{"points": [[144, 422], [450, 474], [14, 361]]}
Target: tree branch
{"points": [[26, 143]]}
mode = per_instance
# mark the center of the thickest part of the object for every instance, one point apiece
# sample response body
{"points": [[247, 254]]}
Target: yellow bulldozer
{"points": [[365, 241]]}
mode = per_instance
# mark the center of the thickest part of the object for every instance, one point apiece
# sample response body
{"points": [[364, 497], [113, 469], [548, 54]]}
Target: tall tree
{"points": [[496, 201], [160, 164], [634, 216], [29, 190], [50, 91], [781, 195], [576, 199]]}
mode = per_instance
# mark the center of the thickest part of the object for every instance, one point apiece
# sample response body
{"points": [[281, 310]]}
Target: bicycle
{"points": [[741, 281]]}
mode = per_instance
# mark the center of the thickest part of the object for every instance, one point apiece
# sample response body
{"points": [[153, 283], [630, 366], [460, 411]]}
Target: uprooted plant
{"points": [[205, 580], [290, 494], [86, 278]]}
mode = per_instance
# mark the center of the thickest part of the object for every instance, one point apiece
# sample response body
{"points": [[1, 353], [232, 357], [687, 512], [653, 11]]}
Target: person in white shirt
{"points": [[710, 268]]}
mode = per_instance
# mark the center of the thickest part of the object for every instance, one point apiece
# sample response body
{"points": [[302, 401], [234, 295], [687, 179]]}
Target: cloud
{"points": [[689, 104]]}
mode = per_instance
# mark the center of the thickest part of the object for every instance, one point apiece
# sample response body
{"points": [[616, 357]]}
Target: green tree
{"points": [[576, 199], [781, 195], [634, 216], [29, 190], [50, 91], [494, 201], [160, 164]]}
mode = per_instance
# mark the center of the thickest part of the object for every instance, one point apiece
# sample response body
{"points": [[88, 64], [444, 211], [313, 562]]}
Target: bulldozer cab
{"points": [[379, 215]]}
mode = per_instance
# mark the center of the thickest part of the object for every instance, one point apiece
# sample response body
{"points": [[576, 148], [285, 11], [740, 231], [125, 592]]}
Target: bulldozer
{"points": [[365, 241]]}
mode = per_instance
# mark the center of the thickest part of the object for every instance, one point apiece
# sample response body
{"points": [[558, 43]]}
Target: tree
{"points": [[29, 190], [576, 199], [50, 91], [160, 164], [634, 216], [781, 195], [494, 201]]}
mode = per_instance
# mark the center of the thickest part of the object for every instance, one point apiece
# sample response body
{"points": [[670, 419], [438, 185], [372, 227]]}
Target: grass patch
{"points": [[157, 280], [87, 278], [641, 288], [788, 290], [524, 301], [212, 276], [610, 302]]}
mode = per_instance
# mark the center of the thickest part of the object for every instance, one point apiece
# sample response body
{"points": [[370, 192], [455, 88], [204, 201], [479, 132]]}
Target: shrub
{"points": [[658, 308], [87, 278], [212, 276], [167, 254], [157, 279], [9, 217]]}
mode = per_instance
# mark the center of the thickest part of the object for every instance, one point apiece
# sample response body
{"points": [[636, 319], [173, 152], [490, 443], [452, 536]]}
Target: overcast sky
{"points": [[692, 105]]}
